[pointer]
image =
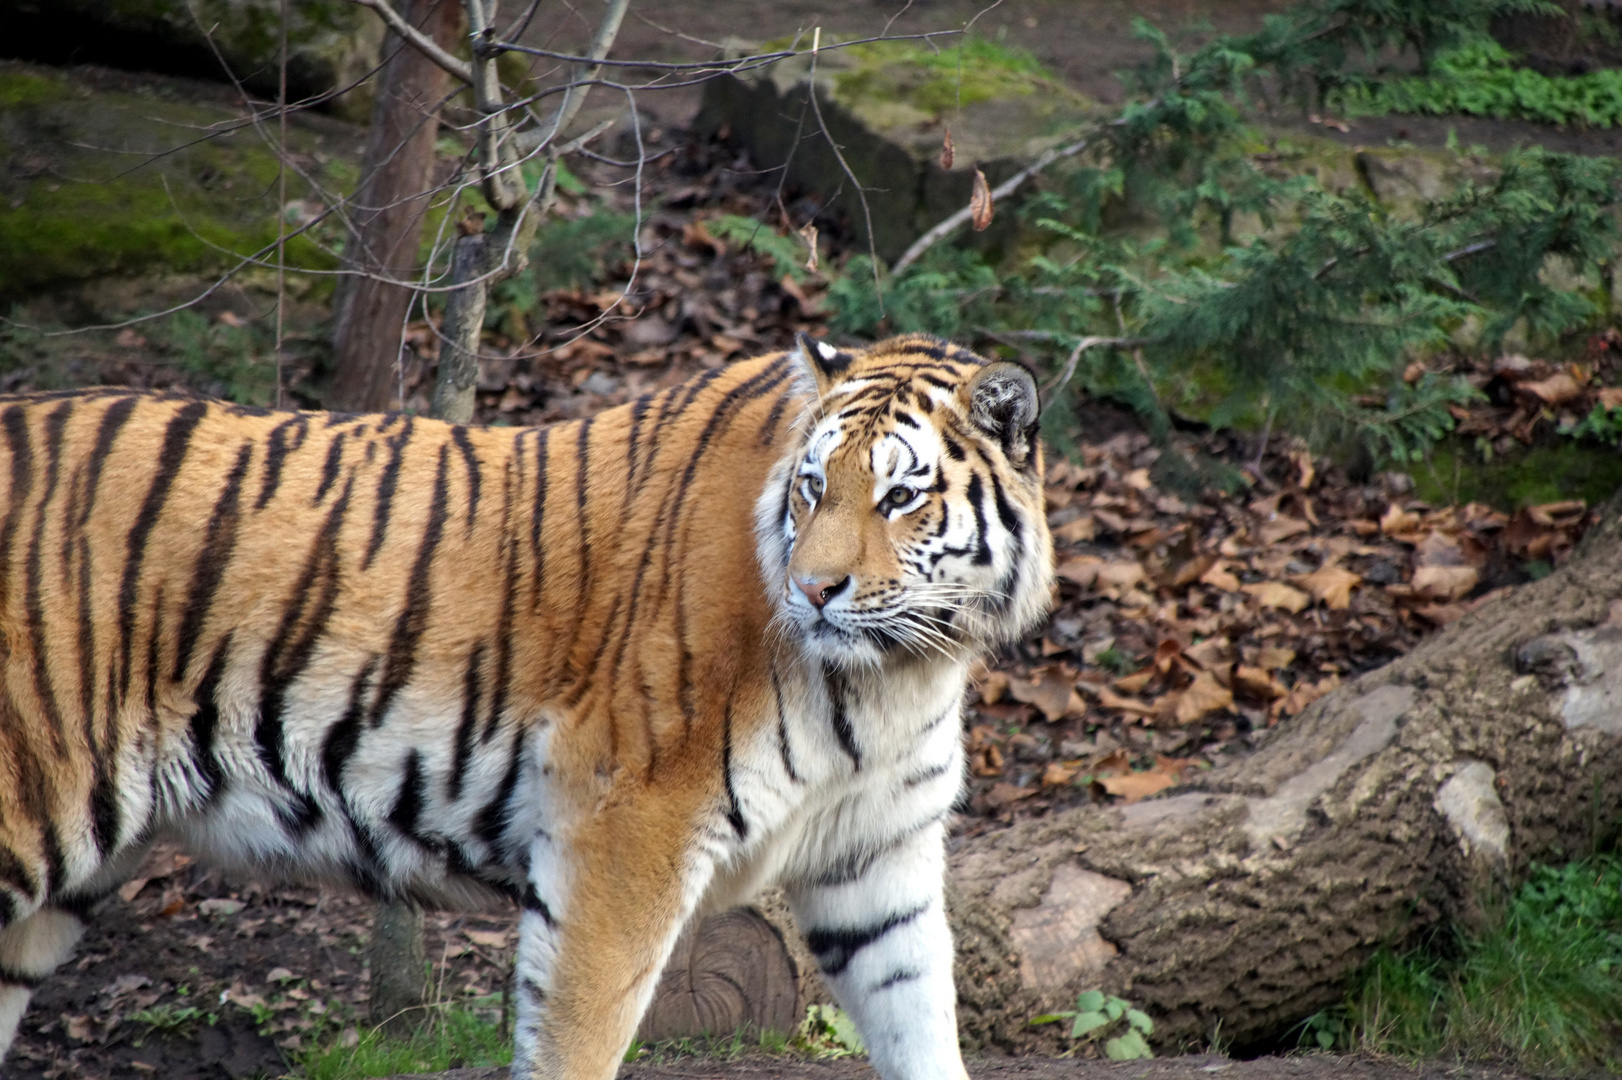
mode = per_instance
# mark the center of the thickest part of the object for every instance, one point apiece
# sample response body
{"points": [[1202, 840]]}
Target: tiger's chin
{"points": [[906, 640]]}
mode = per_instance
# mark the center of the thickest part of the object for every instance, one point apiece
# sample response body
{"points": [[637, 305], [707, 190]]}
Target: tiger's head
{"points": [[908, 521]]}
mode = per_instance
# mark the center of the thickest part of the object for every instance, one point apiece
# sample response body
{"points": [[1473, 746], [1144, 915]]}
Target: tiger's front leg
{"points": [[599, 919], [877, 926]]}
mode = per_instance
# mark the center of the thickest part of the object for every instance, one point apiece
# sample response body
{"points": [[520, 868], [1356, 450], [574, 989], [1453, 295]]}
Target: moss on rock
{"points": [[100, 180]]}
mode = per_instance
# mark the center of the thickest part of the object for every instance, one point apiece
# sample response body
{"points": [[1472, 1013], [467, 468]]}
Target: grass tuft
{"points": [[455, 1038], [1541, 987]]}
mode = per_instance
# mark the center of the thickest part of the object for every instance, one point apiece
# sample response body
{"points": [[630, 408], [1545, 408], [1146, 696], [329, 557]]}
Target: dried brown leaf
{"points": [[1397, 520], [1272, 658], [1078, 531], [1444, 582], [1081, 569], [1002, 794], [1282, 528], [1276, 594], [1557, 389], [1060, 773], [1220, 577], [1131, 787], [947, 155], [1111, 700], [1332, 585], [1135, 682], [1204, 696], [1211, 653], [980, 209], [1258, 683]]}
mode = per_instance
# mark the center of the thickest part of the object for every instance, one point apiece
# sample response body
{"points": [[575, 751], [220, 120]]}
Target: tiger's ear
{"points": [[1003, 404], [825, 364]]}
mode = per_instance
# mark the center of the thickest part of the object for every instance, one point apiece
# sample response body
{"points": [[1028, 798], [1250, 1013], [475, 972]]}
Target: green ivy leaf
{"points": [[1087, 1021], [1128, 1047]]}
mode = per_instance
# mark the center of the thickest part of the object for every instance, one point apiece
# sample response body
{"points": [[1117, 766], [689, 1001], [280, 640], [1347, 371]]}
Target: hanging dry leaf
{"points": [[1131, 787], [1204, 696], [809, 235], [946, 150], [1333, 585], [1276, 594], [980, 209], [1444, 582]]}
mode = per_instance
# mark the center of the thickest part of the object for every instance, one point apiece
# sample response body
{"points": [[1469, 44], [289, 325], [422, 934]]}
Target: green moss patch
{"points": [[1540, 474], [106, 182], [938, 81]]}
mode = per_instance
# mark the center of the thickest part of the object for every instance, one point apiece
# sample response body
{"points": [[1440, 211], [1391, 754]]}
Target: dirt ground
{"points": [[1198, 1067]]}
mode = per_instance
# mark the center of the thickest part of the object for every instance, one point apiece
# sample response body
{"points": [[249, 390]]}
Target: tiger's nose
{"points": [[819, 592]]}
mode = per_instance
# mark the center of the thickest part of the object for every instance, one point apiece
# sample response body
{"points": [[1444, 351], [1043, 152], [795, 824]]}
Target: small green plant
{"points": [[1097, 1014], [828, 1032], [229, 358], [1600, 425], [787, 253], [1481, 79], [1117, 661], [164, 1019]]}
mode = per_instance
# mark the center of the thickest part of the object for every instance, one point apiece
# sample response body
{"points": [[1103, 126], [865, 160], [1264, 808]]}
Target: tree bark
{"points": [[397, 173], [398, 983], [1236, 907]]}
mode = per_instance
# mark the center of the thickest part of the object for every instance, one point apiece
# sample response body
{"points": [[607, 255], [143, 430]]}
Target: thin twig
{"points": [[420, 41], [281, 203], [861, 193]]}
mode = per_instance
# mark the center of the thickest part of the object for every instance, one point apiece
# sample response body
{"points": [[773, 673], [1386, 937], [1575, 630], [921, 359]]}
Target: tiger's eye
{"points": [[898, 497], [813, 484]]}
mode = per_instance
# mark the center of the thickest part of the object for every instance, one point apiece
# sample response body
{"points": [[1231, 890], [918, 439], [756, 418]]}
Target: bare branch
{"points": [[419, 41], [998, 193]]}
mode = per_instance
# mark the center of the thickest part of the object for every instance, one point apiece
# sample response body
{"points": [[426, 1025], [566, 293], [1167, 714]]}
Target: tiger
{"points": [[624, 671]]}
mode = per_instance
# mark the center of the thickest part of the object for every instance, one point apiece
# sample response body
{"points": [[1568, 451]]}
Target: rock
{"points": [[331, 43], [887, 107], [103, 173], [1405, 178]]}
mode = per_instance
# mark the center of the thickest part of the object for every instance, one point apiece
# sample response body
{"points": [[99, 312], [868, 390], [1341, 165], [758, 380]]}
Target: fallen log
{"points": [[1235, 907]]}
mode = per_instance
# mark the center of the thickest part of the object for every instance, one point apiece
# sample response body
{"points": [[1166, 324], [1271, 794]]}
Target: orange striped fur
{"points": [[622, 670]]}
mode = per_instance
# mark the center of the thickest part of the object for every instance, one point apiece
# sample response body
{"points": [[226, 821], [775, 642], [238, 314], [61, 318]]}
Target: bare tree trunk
{"points": [[397, 170], [398, 983], [1237, 907]]}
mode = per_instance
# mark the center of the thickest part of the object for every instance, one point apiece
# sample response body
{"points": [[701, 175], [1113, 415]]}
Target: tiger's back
{"points": [[191, 584], [574, 665]]}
